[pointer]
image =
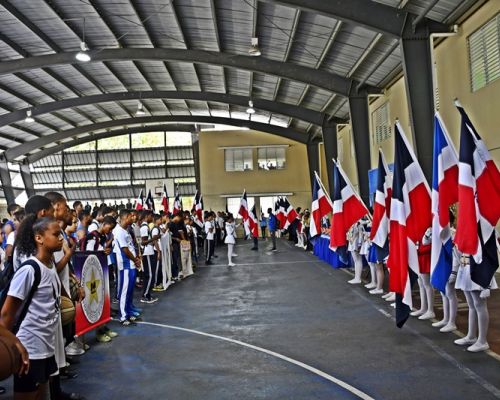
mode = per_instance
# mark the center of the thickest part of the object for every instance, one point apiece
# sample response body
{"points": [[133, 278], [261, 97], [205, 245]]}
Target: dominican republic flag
{"points": [[381, 210], [444, 195], [139, 203], [321, 206], [410, 218], [243, 211], [177, 202], [290, 213], [478, 202], [347, 210], [280, 215], [149, 204], [198, 205], [253, 222], [164, 200]]}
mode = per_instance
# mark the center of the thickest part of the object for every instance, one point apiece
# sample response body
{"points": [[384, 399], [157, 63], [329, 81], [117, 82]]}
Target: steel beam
{"points": [[312, 160], [322, 79], [195, 136], [330, 147], [7, 188], [301, 113], [358, 107], [367, 13], [417, 67], [27, 179], [28, 147]]}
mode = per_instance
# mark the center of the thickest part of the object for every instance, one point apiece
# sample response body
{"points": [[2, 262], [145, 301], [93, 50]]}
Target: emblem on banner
{"points": [[93, 283]]}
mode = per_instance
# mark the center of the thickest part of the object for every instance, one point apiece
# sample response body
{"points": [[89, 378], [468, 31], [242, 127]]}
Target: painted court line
{"points": [[316, 371]]}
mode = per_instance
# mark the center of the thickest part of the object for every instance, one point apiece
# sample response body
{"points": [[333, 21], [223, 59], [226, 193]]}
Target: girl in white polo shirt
{"points": [[36, 239]]}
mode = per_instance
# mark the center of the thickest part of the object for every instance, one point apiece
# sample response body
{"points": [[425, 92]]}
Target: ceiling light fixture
{"points": [[83, 55], [254, 48], [250, 109], [29, 118], [140, 110]]}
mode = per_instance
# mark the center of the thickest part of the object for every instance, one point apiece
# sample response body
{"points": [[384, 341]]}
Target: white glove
{"points": [[485, 293], [453, 278]]}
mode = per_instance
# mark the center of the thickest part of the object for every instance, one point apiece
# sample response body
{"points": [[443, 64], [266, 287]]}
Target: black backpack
{"points": [[6, 277]]}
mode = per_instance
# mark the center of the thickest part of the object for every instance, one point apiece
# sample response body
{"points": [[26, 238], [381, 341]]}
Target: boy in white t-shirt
{"points": [[210, 235], [127, 261], [149, 256]]}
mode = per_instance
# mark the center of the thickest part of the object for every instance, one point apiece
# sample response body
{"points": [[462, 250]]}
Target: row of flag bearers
{"points": [[411, 230]]}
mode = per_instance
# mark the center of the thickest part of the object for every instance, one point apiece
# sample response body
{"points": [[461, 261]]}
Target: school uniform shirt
{"points": [[91, 243], [123, 239], [11, 239], [64, 274], [147, 250], [209, 225], [94, 226], [39, 327], [155, 231]]}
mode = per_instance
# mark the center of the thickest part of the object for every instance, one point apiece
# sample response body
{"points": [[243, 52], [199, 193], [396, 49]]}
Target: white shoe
{"points": [[448, 328], [235, 255], [376, 291], [73, 349], [417, 313], [354, 281], [391, 298], [231, 265], [191, 273], [476, 347], [80, 343], [393, 305], [427, 315], [385, 296], [370, 285], [439, 324], [465, 341]]}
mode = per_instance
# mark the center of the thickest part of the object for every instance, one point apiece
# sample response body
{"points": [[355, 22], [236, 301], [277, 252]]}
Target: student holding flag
{"points": [[410, 218], [253, 224], [444, 195], [348, 208], [478, 200]]}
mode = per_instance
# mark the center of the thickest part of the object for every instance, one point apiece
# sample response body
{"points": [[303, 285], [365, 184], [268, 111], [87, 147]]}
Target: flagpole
{"points": [[339, 166], [323, 187]]}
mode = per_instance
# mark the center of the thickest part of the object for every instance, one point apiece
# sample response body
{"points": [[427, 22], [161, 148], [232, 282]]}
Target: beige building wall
{"points": [[216, 182], [453, 81]]}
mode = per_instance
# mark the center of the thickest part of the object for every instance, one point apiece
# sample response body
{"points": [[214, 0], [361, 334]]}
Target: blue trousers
{"points": [[126, 292]]}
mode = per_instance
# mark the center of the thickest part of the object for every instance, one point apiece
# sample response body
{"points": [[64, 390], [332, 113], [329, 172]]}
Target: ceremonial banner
{"points": [[91, 268]]}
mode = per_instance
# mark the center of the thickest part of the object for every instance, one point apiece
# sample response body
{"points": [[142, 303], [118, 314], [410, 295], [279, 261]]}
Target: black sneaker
{"points": [[208, 262], [71, 396], [254, 248], [128, 322]]}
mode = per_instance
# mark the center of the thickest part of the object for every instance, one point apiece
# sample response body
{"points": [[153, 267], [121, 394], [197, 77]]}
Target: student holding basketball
{"points": [[36, 239]]}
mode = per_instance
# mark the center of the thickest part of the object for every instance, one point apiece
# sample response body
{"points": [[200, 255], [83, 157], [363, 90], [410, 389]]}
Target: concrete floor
{"points": [[289, 303]]}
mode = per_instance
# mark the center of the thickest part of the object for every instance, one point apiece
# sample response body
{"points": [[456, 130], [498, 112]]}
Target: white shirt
{"points": [[123, 239], [148, 250], [11, 238], [155, 231], [38, 329], [64, 274], [208, 226], [94, 226]]}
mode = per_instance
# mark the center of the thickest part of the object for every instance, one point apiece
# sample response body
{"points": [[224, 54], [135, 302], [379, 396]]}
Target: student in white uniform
{"points": [[230, 240], [127, 261], [210, 232], [149, 257], [37, 240]]}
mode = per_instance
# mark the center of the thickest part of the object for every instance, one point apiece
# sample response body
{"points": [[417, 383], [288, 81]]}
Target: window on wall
{"points": [[381, 124], [484, 54], [271, 158], [233, 205], [238, 159]]}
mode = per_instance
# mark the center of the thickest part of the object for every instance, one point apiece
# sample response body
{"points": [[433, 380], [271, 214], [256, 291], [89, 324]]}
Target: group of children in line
{"points": [[362, 251]]}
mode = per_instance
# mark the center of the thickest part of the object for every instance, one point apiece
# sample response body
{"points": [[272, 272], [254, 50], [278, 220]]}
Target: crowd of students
{"points": [[146, 252]]}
